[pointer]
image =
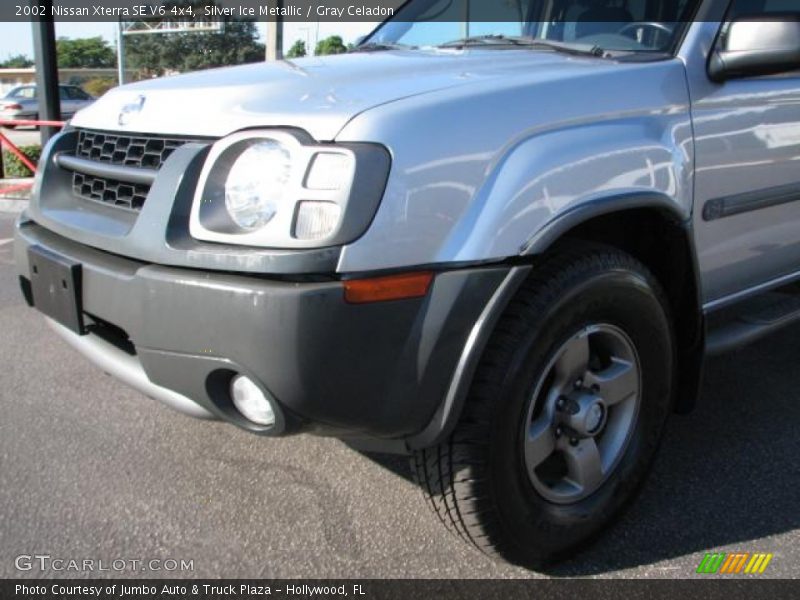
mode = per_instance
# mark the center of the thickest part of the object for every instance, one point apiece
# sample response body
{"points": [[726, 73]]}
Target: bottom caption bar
{"points": [[402, 589]]}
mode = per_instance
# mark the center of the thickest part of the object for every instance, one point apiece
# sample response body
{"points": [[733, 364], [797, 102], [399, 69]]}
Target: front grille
{"points": [[131, 151], [110, 191], [143, 152]]}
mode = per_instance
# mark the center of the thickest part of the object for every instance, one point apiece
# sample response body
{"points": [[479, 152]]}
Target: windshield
{"points": [[609, 25]]}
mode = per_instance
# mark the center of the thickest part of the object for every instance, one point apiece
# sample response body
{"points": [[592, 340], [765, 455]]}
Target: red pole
{"points": [[4, 141], [17, 152], [16, 188]]}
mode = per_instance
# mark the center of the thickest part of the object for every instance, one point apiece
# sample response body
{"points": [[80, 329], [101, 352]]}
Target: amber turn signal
{"points": [[392, 287]]}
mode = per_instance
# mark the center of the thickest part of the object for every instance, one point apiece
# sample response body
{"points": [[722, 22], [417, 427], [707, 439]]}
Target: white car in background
{"points": [[21, 102]]}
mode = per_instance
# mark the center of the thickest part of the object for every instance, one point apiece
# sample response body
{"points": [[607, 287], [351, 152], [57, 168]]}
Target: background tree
{"points": [[17, 61], [331, 45], [297, 50], [85, 53], [154, 55], [144, 53], [99, 85]]}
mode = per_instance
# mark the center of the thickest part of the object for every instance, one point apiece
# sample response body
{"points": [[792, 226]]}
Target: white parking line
{"points": [[4, 242]]}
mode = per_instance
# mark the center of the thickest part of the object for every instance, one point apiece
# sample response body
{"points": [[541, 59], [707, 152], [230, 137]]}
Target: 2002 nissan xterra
{"points": [[504, 248]]}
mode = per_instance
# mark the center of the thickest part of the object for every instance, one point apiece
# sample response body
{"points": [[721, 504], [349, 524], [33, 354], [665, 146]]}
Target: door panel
{"points": [[748, 156], [747, 177]]}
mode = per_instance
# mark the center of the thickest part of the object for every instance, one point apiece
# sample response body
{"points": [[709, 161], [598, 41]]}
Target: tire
{"points": [[486, 483]]}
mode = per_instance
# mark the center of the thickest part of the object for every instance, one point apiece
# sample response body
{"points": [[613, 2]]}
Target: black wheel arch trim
{"points": [[562, 224], [449, 411], [692, 362]]}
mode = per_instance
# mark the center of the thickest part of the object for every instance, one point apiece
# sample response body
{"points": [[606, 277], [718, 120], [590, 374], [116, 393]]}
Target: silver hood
{"points": [[320, 95]]}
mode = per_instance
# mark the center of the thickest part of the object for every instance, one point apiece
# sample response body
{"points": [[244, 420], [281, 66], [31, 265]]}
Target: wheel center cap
{"points": [[594, 418], [585, 415]]}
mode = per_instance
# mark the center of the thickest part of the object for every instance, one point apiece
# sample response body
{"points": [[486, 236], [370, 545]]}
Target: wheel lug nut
{"points": [[561, 403], [559, 432], [579, 384], [573, 442]]}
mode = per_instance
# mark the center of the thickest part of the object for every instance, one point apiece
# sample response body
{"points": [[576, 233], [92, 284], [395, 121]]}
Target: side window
{"points": [[28, 93], [781, 6], [75, 93], [745, 8], [62, 93]]}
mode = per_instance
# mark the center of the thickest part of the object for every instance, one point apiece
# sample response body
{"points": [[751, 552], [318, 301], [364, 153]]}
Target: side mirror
{"points": [[756, 46]]}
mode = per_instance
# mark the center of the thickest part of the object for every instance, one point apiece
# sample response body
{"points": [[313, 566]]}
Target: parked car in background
{"points": [[21, 102]]}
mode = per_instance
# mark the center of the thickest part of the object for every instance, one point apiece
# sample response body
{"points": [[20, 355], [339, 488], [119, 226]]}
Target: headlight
{"points": [[256, 183], [279, 189]]}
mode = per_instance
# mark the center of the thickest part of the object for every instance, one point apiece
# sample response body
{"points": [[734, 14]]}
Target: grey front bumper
{"points": [[374, 370], [128, 369]]}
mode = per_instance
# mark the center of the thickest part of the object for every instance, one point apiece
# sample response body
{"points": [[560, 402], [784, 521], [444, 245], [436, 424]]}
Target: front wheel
{"points": [[565, 412]]}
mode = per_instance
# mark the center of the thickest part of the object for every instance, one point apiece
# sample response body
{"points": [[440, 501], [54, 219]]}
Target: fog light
{"points": [[251, 401]]}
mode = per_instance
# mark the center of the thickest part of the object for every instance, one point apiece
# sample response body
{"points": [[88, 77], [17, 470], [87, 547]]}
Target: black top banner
{"points": [[183, 11], [180, 12]]}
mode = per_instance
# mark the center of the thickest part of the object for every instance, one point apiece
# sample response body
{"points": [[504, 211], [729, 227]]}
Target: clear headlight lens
{"points": [[256, 184], [280, 189]]}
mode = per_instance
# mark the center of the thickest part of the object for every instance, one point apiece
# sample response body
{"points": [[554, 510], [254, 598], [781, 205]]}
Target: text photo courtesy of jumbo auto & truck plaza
{"points": [[438, 298]]}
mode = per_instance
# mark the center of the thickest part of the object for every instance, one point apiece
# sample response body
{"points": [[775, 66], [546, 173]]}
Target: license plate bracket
{"points": [[56, 286]]}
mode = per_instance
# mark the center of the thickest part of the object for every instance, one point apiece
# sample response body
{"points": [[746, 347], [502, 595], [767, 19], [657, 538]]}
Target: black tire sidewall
{"points": [[539, 530]]}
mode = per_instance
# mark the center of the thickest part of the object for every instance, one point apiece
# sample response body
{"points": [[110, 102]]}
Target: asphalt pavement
{"points": [[91, 469]]}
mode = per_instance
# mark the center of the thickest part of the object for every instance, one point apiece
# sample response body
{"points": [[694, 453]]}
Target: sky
{"points": [[15, 38]]}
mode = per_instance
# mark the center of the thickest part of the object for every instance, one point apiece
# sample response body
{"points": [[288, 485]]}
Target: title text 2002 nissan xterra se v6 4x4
{"points": [[503, 248]]}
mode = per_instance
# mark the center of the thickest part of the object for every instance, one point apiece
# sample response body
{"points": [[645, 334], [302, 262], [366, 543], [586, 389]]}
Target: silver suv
{"points": [[503, 247]]}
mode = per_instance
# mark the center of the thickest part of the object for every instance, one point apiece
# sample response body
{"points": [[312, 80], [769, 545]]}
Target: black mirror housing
{"points": [[754, 46]]}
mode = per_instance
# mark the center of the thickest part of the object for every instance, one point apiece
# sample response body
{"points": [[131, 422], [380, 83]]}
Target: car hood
{"points": [[319, 94]]}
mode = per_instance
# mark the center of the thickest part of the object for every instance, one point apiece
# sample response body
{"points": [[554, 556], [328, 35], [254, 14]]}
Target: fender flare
{"points": [[449, 411], [585, 211]]}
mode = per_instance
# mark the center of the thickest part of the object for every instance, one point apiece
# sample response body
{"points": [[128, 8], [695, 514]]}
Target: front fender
{"points": [[480, 172], [552, 182]]}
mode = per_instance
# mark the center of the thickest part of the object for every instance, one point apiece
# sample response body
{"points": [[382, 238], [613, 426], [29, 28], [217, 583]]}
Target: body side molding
{"points": [[729, 206]]}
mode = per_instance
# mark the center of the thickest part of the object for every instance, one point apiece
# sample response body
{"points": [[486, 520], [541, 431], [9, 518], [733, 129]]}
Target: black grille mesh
{"points": [[141, 152], [110, 191], [130, 151]]}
